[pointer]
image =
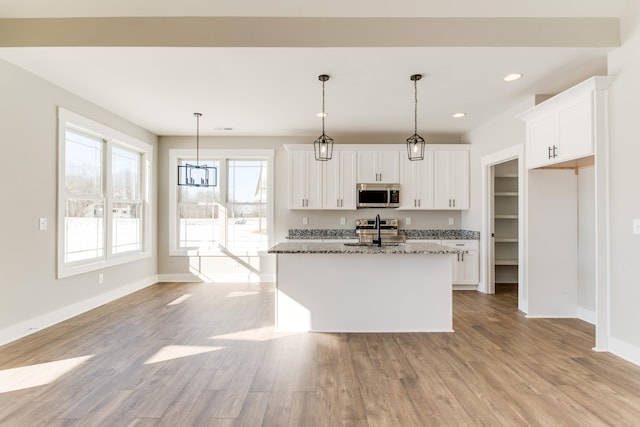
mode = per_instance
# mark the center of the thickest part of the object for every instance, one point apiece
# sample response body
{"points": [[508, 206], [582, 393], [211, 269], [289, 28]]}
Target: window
{"points": [[234, 218], [103, 196]]}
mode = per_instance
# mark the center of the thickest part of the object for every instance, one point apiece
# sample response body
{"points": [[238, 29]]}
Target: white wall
{"points": [[497, 134], [624, 105], [30, 294]]}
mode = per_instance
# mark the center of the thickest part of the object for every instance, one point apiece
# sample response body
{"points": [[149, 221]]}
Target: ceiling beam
{"points": [[309, 32]]}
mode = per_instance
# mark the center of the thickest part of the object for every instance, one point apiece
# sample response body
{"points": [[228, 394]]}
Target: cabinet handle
{"points": [[419, 203], [454, 203], [458, 257], [555, 154], [414, 203], [549, 155], [449, 202], [462, 257]]}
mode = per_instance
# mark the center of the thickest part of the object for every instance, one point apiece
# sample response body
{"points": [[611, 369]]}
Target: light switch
{"points": [[407, 220], [343, 220], [43, 224], [305, 220], [451, 221], [636, 226]]}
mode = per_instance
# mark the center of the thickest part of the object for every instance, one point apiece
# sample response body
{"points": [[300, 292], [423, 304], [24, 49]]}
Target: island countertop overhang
{"points": [[301, 247]]}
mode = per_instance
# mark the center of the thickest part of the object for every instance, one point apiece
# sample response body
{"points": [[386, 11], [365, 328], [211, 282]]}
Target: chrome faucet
{"points": [[377, 225]]}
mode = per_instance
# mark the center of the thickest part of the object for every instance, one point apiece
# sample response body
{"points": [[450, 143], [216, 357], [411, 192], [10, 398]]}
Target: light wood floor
{"points": [[213, 359]]}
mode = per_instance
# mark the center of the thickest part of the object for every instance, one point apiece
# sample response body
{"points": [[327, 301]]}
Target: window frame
{"points": [[222, 155], [68, 120]]}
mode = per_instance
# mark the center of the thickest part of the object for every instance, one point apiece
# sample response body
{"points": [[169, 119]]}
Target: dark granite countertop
{"points": [[301, 247]]}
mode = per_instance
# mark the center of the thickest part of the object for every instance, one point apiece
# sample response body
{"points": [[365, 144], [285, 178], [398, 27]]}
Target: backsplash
{"points": [[347, 233]]}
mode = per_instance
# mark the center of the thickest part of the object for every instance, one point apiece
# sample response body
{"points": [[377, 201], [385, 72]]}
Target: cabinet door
{"points": [[575, 129], [348, 179], [389, 166], [451, 179], [367, 171], [416, 181], [469, 269], [378, 166], [542, 138], [305, 190], [339, 190]]}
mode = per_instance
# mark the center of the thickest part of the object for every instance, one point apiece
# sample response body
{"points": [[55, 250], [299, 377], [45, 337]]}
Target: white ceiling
{"points": [[275, 91]]}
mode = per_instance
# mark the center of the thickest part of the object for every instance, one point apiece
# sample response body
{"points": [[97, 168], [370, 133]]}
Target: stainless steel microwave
{"points": [[378, 195]]}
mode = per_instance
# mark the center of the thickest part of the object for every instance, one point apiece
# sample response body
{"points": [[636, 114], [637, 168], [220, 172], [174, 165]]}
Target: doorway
{"points": [[502, 231], [505, 226]]}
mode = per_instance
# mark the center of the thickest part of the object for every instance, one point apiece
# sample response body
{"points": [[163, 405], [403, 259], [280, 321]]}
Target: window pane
{"points": [[83, 165], [125, 174], [247, 229], [84, 225], [127, 227], [247, 182], [199, 225], [199, 212]]}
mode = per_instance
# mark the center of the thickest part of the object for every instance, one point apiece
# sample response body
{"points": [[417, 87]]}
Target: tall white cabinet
{"points": [[451, 179], [305, 181], [416, 182], [338, 191], [564, 134]]}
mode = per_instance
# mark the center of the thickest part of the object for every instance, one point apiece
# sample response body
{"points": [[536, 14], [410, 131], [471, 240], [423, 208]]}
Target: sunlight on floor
{"points": [[171, 352], [259, 334], [237, 294], [181, 299], [37, 375]]}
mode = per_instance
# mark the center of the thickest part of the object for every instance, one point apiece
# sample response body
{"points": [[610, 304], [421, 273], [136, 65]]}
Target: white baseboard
{"points": [[625, 350], [35, 324], [588, 316]]}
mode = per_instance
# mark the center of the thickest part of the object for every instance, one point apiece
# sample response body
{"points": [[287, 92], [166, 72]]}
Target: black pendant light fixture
{"points": [[323, 146], [197, 175], [415, 143]]}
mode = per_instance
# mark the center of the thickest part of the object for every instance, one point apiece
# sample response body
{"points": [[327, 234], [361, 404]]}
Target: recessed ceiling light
{"points": [[321, 115], [512, 77], [458, 115]]}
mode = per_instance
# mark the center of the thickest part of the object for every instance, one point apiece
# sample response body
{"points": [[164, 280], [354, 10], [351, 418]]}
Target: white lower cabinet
{"points": [[465, 267]]}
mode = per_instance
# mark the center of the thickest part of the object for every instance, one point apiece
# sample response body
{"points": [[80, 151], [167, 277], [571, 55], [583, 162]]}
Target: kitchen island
{"points": [[338, 287]]}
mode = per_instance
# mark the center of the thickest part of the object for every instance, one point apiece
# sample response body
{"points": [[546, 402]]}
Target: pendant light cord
{"points": [[415, 110], [323, 113], [197, 138]]}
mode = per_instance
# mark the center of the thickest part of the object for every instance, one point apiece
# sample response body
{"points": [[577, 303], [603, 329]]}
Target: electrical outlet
{"points": [[305, 220], [100, 278], [43, 224], [451, 221], [343, 220], [407, 221]]}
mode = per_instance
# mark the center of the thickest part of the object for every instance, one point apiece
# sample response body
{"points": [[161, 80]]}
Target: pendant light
{"points": [[323, 146], [197, 175], [415, 143]]}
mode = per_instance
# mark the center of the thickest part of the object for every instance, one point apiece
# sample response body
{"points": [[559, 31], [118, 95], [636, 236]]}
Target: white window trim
{"points": [[222, 154], [68, 119]]}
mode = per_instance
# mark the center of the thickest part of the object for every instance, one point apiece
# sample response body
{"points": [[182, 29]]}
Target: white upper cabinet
{"points": [[339, 190], [451, 179], [378, 166], [564, 127], [416, 182], [305, 180]]}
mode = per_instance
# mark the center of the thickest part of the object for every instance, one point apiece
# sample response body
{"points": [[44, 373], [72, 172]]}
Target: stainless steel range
{"points": [[367, 231]]}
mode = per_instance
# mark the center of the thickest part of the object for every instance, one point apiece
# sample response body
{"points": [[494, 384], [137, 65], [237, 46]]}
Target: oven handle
{"points": [[388, 196]]}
